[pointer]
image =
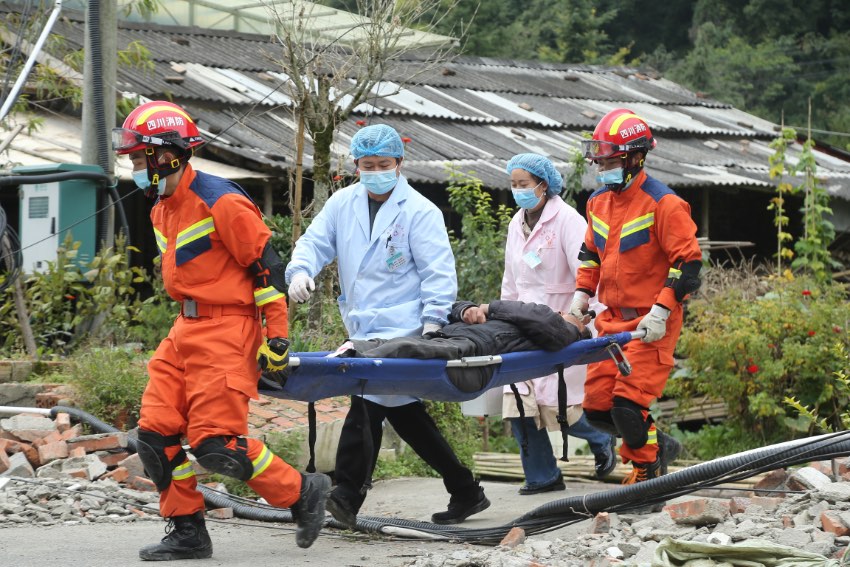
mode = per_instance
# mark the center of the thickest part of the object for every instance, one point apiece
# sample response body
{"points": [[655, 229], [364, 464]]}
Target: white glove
{"points": [[580, 305], [301, 286], [430, 328], [655, 323]]}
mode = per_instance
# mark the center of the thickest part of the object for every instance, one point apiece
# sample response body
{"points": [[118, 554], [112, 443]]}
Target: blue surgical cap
{"points": [[377, 140], [540, 167]]}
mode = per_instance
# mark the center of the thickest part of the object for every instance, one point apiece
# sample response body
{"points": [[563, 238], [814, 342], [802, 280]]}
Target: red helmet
{"points": [[619, 132], [156, 123]]}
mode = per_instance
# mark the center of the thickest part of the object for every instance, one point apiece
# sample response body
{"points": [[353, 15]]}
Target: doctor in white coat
{"points": [[397, 278]]}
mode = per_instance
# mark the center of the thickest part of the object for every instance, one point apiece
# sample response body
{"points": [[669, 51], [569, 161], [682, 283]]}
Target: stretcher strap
{"points": [[523, 443], [562, 413], [311, 436]]}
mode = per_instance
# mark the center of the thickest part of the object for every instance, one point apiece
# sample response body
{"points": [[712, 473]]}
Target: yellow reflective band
{"points": [[194, 232], [638, 224], [652, 437], [615, 126], [674, 273], [599, 226], [161, 241], [143, 117], [266, 295], [262, 462], [589, 264], [182, 472]]}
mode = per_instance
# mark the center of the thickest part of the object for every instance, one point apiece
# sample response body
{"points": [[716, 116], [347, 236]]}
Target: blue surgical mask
{"points": [[610, 176], [379, 182], [140, 177], [526, 198]]}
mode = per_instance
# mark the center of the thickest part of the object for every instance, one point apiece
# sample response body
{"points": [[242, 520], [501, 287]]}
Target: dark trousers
{"points": [[416, 428]]}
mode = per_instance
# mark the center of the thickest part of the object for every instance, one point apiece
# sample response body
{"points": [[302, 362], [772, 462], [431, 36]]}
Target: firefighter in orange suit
{"points": [[641, 255], [218, 263]]}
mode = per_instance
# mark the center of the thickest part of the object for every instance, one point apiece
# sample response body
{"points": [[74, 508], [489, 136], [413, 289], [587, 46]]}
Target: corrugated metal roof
{"points": [[474, 112]]}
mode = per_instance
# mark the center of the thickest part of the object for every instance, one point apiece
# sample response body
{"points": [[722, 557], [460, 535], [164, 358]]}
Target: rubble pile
{"points": [[75, 477], [805, 509]]}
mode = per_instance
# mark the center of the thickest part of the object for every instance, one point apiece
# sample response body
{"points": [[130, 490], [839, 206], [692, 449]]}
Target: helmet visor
{"points": [[600, 149], [123, 139]]}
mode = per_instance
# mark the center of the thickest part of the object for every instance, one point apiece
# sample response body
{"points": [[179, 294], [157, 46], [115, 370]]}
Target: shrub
{"points": [[755, 350], [109, 383]]}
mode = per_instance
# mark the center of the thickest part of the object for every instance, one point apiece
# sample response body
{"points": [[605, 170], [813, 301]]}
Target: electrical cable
{"points": [[558, 513]]}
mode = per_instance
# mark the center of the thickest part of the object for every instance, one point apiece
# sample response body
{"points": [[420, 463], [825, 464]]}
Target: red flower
{"points": [[837, 329], [406, 140], [337, 177], [771, 345], [807, 292], [360, 122], [752, 368], [811, 333]]}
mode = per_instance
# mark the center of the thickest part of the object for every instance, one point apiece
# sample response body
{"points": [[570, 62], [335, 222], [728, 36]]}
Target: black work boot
{"points": [[309, 511], [668, 450], [606, 461], [461, 509], [341, 509], [187, 538]]}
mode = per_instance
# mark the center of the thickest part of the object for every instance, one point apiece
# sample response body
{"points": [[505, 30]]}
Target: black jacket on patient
{"points": [[511, 326]]}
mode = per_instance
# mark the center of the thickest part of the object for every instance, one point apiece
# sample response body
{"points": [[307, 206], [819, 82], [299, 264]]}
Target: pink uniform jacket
{"points": [[543, 270]]}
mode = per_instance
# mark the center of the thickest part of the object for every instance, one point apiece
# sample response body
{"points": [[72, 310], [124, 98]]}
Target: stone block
{"points": [[52, 451], [99, 442], [699, 512], [808, 478], [27, 427], [19, 466], [513, 538]]}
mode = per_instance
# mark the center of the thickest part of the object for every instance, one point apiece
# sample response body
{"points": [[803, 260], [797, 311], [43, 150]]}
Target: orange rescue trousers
{"points": [[651, 366], [202, 377]]}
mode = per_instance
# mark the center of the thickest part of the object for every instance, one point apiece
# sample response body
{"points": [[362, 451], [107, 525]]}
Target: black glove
{"points": [[273, 361]]}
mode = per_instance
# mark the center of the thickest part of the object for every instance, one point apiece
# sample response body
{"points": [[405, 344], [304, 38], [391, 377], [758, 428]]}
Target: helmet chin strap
{"points": [[629, 174], [157, 172]]}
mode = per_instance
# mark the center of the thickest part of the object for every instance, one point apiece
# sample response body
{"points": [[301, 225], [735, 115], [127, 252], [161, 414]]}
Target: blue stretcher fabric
{"points": [[318, 377]]}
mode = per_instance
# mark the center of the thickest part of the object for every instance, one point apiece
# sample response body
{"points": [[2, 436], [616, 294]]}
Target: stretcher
{"points": [[314, 376]]}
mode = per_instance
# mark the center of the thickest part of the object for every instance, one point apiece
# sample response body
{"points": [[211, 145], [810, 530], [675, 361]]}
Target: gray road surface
{"points": [[241, 543]]}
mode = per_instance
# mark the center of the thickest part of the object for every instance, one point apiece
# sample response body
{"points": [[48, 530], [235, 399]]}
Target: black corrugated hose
{"points": [[558, 513]]}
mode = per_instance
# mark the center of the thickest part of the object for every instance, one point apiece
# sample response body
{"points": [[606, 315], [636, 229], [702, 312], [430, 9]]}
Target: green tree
{"points": [[480, 249]]}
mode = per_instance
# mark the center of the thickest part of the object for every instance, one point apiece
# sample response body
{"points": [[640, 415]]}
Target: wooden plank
{"points": [[580, 468]]}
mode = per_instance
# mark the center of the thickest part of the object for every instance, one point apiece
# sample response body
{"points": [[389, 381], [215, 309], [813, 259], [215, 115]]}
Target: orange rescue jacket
{"points": [[208, 233], [634, 238]]}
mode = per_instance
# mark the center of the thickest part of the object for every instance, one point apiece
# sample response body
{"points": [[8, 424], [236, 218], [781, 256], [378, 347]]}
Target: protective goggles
{"points": [[123, 139], [599, 149]]}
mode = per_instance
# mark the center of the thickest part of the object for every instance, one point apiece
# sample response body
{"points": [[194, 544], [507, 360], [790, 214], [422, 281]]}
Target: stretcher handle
{"points": [[471, 361], [639, 334]]}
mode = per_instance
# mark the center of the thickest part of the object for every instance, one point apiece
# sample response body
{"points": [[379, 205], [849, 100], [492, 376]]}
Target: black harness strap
{"points": [[311, 436], [523, 443], [562, 413]]}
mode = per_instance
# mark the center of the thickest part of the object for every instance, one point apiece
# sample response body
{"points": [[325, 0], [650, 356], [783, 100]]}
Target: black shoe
{"points": [[669, 449], [309, 511], [341, 510], [607, 460], [554, 486], [187, 538], [459, 510]]}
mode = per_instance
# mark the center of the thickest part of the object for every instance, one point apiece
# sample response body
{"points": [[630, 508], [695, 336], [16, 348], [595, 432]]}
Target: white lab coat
{"points": [[394, 279], [542, 269]]}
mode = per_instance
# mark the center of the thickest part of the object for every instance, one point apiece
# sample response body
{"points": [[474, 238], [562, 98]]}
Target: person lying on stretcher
{"points": [[477, 330]]}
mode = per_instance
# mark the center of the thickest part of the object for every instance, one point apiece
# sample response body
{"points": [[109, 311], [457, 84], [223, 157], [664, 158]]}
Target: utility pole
{"points": [[99, 72]]}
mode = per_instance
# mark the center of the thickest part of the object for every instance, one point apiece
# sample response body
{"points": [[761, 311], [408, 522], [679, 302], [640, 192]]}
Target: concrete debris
{"points": [[815, 521]]}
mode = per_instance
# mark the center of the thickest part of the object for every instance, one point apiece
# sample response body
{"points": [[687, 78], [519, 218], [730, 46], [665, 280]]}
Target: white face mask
{"points": [[379, 182]]}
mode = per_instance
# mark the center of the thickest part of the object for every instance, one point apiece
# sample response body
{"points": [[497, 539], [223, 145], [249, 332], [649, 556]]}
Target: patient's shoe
{"points": [[606, 461], [554, 486], [342, 511]]}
